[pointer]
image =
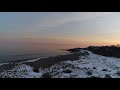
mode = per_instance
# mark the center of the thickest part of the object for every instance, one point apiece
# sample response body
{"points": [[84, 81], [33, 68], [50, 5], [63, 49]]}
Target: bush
{"points": [[110, 51], [107, 76], [1, 77], [94, 67], [67, 71], [118, 73], [89, 72], [104, 70], [94, 77], [46, 75], [36, 70]]}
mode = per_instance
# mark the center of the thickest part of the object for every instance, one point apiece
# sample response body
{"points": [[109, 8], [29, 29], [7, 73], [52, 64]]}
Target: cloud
{"points": [[58, 19]]}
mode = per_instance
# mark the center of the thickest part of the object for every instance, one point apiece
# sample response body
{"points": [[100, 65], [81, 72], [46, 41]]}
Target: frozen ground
{"points": [[90, 66]]}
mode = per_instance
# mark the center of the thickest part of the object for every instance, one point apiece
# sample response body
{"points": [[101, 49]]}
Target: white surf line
{"points": [[31, 60], [3, 64]]}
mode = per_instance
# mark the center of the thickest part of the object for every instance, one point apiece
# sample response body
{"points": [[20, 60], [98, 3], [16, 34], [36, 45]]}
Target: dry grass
{"points": [[7, 66], [44, 62], [47, 62]]}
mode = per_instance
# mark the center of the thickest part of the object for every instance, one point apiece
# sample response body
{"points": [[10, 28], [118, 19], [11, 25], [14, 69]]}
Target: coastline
{"points": [[44, 62], [22, 57], [82, 64]]}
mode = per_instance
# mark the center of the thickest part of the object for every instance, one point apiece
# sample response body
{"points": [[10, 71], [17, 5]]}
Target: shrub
{"points": [[36, 70], [107, 76], [89, 72], [94, 67], [104, 70], [110, 51], [46, 75], [67, 71], [94, 77], [118, 73]]}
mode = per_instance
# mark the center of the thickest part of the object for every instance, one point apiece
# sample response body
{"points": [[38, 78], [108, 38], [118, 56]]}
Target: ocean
{"points": [[10, 57]]}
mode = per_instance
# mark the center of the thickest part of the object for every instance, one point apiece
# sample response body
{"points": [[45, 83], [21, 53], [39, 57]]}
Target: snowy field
{"points": [[90, 66]]}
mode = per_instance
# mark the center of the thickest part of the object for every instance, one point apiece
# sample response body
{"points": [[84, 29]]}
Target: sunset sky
{"points": [[58, 29]]}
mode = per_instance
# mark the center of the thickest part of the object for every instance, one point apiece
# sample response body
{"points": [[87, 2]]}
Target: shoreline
{"points": [[31, 58], [44, 62]]}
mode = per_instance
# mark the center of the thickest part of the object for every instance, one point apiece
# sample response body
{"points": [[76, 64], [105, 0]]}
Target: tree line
{"points": [[110, 51]]}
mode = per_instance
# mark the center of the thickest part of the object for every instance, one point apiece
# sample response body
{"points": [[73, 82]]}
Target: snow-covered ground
{"points": [[89, 66], [20, 71]]}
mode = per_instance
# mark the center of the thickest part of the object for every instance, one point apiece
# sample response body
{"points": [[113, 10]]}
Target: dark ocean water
{"points": [[20, 56]]}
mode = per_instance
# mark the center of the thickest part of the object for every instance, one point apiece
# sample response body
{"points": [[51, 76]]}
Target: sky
{"points": [[49, 30]]}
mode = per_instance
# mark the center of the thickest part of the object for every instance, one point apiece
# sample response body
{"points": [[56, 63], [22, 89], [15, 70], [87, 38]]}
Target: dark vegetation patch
{"points": [[7, 66], [94, 68], [86, 68], [89, 72], [74, 50], [1, 77], [107, 76], [48, 62], [109, 51], [67, 71], [93, 77], [104, 70], [36, 70], [118, 73], [46, 75]]}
